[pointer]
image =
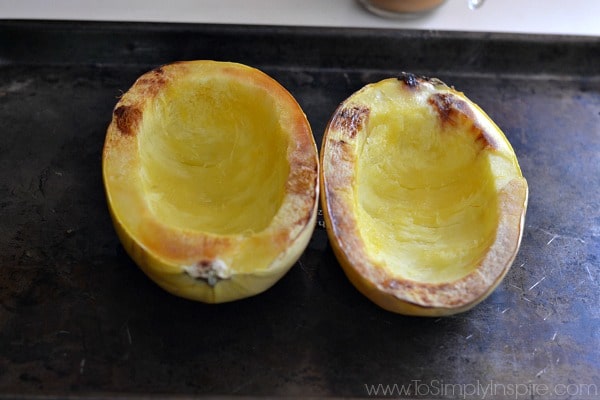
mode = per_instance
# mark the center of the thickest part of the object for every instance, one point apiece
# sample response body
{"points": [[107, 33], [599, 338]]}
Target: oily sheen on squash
{"points": [[211, 176], [423, 197]]}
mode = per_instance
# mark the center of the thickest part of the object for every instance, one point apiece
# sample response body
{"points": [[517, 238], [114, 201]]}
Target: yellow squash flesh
{"points": [[423, 197], [211, 176]]}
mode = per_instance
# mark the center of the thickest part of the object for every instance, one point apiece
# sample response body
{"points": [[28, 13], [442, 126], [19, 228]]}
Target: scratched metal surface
{"points": [[77, 317]]}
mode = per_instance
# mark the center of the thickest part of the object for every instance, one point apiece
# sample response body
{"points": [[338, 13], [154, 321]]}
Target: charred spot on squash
{"points": [[453, 111], [158, 70], [484, 139], [152, 82], [445, 106], [413, 81], [303, 180], [340, 151], [410, 80], [127, 119], [350, 120]]}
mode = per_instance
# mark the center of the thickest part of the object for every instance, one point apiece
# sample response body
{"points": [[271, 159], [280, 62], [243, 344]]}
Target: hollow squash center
{"points": [[214, 157], [425, 194]]}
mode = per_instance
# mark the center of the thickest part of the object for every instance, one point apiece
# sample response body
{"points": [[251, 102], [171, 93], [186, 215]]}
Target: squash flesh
{"points": [[425, 193], [213, 157]]}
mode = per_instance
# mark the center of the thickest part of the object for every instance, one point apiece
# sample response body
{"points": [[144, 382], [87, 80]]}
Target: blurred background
{"points": [[573, 17]]}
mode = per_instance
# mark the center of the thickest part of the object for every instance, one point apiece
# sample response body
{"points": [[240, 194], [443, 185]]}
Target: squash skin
{"points": [[339, 159], [194, 264]]}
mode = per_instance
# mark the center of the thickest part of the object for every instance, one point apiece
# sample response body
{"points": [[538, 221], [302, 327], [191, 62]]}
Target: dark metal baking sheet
{"points": [[78, 318]]}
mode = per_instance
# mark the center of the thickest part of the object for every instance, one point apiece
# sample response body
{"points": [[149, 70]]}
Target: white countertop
{"points": [[572, 17]]}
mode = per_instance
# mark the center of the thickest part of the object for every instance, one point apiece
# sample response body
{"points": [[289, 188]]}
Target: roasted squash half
{"points": [[423, 197], [211, 176]]}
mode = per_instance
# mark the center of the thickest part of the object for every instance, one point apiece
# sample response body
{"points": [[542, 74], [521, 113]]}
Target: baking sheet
{"points": [[78, 318]]}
